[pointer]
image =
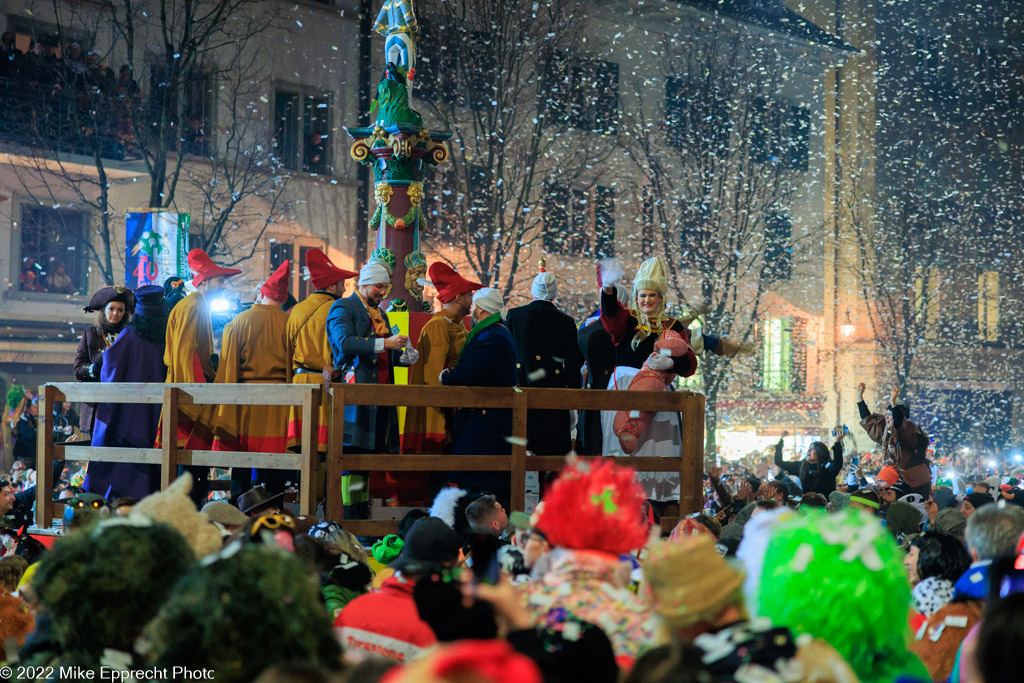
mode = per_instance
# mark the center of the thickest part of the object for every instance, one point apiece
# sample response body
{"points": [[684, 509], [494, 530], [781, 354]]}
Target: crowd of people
{"points": [[823, 569], [66, 95], [774, 586]]}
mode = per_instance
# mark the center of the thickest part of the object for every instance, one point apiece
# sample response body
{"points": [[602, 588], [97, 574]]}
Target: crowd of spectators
{"points": [[64, 97]]}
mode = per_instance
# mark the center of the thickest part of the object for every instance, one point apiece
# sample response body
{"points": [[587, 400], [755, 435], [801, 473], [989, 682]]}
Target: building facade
{"points": [[70, 90]]}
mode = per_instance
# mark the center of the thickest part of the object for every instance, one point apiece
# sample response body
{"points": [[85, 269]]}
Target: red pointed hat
{"points": [[323, 273], [276, 286], [448, 283], [203, 268]]}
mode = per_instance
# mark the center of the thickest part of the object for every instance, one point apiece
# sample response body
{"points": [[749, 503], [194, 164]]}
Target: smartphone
{"points": [[855, 461], [484, 551]]}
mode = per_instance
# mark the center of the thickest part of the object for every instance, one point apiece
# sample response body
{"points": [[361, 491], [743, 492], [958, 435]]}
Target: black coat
{"points": [[86, 368], [25, 432], [487, 360], [819, 477], [598, 351], [547, 355]]}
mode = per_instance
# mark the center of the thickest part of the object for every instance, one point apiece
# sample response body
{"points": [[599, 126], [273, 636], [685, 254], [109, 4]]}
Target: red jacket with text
{"points": [[384, 625]]}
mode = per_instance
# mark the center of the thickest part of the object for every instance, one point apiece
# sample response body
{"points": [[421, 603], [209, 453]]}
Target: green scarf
{"points": [[492, 319]]}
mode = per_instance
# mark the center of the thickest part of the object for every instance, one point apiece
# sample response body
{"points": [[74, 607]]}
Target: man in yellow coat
{"points": [[440, 343], [189, 349], [306, 339], [253, 352]]}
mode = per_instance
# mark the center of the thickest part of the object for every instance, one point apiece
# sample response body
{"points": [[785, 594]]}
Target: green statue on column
{"points": [[397, 145]]}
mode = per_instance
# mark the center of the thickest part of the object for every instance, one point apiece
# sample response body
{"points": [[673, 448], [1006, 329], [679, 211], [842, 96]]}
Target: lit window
{"points": [[988, 306], [776, 354], [782, 359]]}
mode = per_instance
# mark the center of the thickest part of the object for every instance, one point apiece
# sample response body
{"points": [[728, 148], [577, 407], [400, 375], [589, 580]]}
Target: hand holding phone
{"points": [[484, 549]]}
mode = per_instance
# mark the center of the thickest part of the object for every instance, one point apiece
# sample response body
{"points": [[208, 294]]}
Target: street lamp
{"points": [[847, 328]]}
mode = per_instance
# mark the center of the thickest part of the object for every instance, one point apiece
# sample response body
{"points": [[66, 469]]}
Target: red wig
{"points": [[595, 506]]}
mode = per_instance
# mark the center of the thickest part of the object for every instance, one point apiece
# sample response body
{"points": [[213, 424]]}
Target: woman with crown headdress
{"points": [[635, 330]]}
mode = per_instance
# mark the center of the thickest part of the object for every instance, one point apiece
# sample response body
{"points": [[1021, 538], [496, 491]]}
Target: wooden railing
{"points": [[169, 456], [689, 462]]}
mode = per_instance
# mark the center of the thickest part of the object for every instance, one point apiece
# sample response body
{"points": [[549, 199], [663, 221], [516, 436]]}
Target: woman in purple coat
{"points": [[136, 356]]}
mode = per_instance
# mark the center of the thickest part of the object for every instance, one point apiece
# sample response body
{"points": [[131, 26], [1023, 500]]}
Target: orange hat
{"points": [[203, 268], [448, 283], [889, 475], [276, 286], [323, 273]]}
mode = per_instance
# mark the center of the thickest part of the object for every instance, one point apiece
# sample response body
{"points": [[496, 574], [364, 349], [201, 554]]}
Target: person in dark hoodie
{"points": [[818, 471]]}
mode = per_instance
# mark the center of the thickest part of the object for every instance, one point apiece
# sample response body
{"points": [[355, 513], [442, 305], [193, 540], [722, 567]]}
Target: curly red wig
{"points": [[595, 506]]}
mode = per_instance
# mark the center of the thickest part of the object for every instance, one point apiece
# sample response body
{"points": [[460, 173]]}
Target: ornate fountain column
{"points": [[397, 145]]}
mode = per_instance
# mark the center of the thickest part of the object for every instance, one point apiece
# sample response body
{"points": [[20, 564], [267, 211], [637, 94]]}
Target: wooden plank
{"points": [[555, 463], [310, 456], [245, 394], [335, 453], [270, 461], [112, 392], [691, 468], [437, 397], [428, 463], [371, 527], [519, 417], [602, 399], [142, 456], [371, 394], [169, 436], [48, 397]]}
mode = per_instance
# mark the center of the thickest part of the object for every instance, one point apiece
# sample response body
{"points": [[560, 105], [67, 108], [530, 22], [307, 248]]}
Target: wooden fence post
{"points": [[169, 446], [518, 474], [310, 454], [691, 467], [335, 450], [48, 397]]}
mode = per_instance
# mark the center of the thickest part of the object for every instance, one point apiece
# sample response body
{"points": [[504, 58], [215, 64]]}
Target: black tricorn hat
{"points": [[103, 297], [256, 498]]}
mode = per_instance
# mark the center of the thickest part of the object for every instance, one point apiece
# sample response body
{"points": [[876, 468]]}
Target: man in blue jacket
{"points": [[488, 359], [365, 351]]}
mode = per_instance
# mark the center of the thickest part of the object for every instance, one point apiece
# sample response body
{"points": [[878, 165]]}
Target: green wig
{"points": [[240, 612], [14, 396], [101, 585], [840, 578]]}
